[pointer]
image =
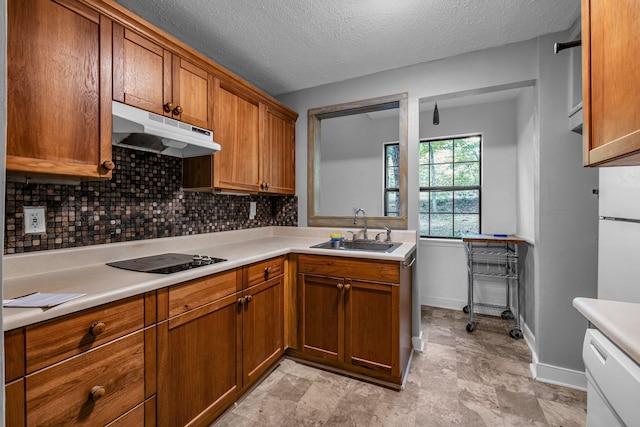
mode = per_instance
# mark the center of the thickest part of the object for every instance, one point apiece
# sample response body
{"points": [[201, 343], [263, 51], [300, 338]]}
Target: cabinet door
{"points": [[198, 373], [58, 96], [141, 71], [371, 326], [236, 130], [611, 70], [263, 328], [14, 410], [322, 329], [191, 92], [278, 152]]}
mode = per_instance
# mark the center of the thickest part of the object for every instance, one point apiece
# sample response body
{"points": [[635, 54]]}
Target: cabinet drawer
{"points": [[55, 340], [60, 394], [196, 293], [264, 270], [372, 270]]}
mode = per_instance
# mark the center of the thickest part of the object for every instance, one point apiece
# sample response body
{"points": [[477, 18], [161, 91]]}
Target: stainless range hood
{"points": [[142, 130]]}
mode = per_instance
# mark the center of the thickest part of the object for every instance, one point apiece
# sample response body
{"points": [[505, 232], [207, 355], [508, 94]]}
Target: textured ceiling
{"points": [[282, 46]]}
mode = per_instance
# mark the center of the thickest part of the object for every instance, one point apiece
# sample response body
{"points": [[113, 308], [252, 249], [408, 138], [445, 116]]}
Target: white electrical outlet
{"points": [[252, 210], [34, 220]]}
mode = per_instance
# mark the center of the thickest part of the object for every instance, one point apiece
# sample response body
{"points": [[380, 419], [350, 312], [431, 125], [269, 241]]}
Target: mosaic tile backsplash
{"points": [[143, 200]]}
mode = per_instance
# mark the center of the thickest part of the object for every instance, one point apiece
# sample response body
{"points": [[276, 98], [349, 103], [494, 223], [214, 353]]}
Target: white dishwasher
{"points": [[613, 383]]}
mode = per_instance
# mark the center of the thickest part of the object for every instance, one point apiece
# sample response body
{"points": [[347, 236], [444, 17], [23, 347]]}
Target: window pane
{"points": [[467, 173], [393, 178], [467, 201], [441, 151], [424, 176], [424, 201], [424, 152], [466, 224], [392, 154], [442, 201], [441, 225], [392, 203], [441, 175], [424, 224], [467, 149]]}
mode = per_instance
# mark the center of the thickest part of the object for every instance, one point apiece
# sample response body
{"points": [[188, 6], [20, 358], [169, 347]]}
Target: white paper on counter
{"points": [[40, 300]]}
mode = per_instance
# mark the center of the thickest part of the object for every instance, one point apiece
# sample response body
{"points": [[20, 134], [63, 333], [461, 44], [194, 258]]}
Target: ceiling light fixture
{"points": [[436, 116]]}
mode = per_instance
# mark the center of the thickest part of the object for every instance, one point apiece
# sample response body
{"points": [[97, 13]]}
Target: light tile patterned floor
{"points": [[461, 379]]}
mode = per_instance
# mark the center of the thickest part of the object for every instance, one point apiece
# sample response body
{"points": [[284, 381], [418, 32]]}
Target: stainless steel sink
{"points": [[359, 245]]}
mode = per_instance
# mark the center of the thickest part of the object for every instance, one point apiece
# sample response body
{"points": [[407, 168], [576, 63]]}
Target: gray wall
{"points": [[440, 260], [526, 178], [567, 221], [565, 226]]}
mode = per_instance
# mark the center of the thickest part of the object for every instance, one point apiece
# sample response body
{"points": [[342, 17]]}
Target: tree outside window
{"points": [[450, 186], [391, 179]]}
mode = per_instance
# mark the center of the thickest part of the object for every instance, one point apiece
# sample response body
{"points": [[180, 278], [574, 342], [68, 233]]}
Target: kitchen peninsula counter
{"points": [[84, 269], [619, 321]]}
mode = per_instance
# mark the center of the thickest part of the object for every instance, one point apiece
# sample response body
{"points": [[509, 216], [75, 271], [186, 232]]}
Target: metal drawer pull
{"points": [[405, 265]]}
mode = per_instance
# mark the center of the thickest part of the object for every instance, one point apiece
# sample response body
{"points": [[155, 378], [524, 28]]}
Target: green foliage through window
{"points": [[391, 179], [450, 186]]}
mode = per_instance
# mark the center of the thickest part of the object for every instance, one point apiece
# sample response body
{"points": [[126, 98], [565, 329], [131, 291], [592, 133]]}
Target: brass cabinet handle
{"points": [[108, 165], [97, 393], [241, 301], [347, 287], [267, 271], [168, 107], [177, 111], [340, 286], [249, 298], [97, 328]]}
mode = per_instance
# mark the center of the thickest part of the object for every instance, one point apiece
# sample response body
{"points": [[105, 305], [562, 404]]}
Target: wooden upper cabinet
{"points": [[236, 129], [258, 147], [611, 82], [278, 152], [58, 90], [147, 76]]}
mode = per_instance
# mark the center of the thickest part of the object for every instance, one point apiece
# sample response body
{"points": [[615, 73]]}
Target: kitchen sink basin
{"points": [[359, 245]]}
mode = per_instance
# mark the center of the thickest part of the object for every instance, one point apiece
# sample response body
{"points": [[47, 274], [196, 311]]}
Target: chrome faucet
{"points": [[355, 221]]}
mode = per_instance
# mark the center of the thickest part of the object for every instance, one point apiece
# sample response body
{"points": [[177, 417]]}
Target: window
{"points": [[391, 179], [450, 186]]}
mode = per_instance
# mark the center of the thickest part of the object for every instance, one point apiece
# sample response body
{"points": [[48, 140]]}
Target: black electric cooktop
{"points": [[165, 263]]}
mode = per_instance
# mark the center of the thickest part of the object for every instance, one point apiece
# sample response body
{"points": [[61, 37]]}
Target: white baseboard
{"points": [[556, 375], [451, 304], [561, 376], [418, 343]]}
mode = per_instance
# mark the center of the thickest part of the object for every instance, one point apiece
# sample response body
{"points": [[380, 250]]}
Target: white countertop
{"points": [[83, 269], [619, 321]]}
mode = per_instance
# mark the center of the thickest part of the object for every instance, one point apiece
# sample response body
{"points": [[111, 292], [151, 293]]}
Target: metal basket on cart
{"points": [[493, 260]]}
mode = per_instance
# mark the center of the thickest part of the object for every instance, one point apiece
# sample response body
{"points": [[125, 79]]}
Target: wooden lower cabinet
{"points": [[263, 328], [354, 323], [209, 355], [198, 370]]}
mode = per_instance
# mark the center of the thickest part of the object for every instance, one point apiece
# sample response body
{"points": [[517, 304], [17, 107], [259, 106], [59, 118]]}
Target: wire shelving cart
{"points": [[493, 259]]}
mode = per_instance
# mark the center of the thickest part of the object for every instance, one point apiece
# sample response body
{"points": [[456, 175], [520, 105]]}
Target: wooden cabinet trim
{"points": [[80, 9], [15, 408], [380, 271], [150, 361], [14, 354]]}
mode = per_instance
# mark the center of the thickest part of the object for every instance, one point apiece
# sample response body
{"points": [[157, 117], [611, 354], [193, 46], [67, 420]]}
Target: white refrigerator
{"points": [[619, 234]]}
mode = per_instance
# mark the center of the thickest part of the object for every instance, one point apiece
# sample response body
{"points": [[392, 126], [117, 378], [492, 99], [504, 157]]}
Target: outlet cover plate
{"points": [[35, 220]]}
